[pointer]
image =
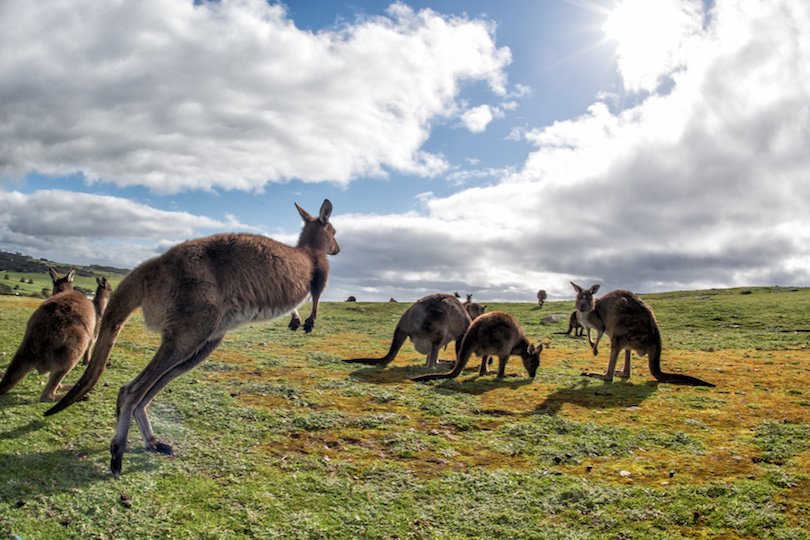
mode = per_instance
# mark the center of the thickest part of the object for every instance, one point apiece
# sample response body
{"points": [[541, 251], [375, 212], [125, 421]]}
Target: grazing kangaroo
{"points": [[541, 297], [193, 294], [431, 323], [498, 334], [59, 332], [630, 324]]}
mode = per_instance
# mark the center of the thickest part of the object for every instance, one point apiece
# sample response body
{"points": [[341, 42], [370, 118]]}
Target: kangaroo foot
{"points": [[596, 351], [160, 448], [621, 374], [309, 324], [295, 322], [600, 376], [116, 458]]}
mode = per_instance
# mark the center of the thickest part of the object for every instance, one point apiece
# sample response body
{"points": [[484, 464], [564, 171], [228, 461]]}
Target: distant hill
{"points": [[17, 262]]}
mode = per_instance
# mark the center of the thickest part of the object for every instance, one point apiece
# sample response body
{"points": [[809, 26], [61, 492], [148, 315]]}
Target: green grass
{"points": [[277, 438]]}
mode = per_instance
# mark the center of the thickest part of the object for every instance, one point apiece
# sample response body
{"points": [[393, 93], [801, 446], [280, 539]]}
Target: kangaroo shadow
{"points": [[19, 431], [395, 374], [607, 395], [58, 471], [480, 385]]}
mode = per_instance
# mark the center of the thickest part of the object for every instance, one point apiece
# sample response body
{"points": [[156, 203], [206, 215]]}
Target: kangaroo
{"points": [[431, 323], [193, 294], [59, 332], [573, 324], [630, 324], [100, 301], [498, 334], [541, 297], [474, 309]]}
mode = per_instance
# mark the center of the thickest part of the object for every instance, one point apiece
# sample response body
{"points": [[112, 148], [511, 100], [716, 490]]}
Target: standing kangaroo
{"points": [[498, 334], [630, 324], [431, 323], [193, 294], [59, 332], [573, 324]]}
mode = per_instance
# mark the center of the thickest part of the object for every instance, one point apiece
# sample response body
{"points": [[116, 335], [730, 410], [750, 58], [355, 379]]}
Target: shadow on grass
{"points": [[480, 385], [395, 374], [45, 473], [606, 395], [19, 431]]}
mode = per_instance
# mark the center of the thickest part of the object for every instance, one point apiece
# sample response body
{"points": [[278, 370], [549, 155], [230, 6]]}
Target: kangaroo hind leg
{"points": [[142, 418], [171, 354], [614, 356], [16, 372], [625, 372], [54, 381]]}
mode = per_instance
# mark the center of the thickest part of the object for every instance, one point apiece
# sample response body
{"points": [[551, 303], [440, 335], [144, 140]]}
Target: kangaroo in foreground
{"points": [[59, 332], [492, 334], [630, 324], [431, 323], [193, 294]]}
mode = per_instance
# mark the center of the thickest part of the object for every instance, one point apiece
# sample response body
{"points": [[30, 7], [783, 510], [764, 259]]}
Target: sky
{"points": [[492, 148]]}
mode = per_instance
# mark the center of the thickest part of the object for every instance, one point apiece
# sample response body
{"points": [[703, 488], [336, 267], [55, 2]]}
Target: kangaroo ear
{"points": [[54, 274], [326, 211], [576, 287], [70, 274], [594, 288], [304, 214], [539, 347]]}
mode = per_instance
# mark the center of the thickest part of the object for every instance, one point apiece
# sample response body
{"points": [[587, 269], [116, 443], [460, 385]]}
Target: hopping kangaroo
{"points": [[498, 334], [59, 332], [630, 324], [431, 323], [193, 294]]}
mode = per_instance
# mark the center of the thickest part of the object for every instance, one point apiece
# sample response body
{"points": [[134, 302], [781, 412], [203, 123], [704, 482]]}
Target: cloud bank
{"points": [[229, 95], [702, 185]]}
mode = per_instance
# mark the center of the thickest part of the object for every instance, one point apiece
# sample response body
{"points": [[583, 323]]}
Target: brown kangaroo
{"points": [[573, 324], [541, 297], [431, 323], [474, 309], [630, 324], [498, 334], [193, 294], [59, 332], [100, 301]]}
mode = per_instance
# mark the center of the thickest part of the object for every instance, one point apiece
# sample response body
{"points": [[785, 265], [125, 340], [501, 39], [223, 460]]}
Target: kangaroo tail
{"points": [[462, 357], [396, 344], [672, 378], [126, 298], [18, 368]]}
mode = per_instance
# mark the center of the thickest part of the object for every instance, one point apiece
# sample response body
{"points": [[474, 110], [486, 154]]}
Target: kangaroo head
{"points": [[318, 233], [531, 360], [61, 284], [585, 300], [104, 286]]}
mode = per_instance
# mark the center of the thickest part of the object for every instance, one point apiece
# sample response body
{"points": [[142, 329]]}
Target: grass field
{"points": [[277, 438]]}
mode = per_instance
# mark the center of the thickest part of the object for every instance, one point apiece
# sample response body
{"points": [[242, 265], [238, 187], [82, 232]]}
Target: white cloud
{"points": [[703, 186], [478, 118], [231, 95], [83, 228]]}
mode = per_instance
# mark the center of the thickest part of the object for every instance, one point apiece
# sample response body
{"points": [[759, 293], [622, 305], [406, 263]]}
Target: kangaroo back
{"points": [[126, 298]]}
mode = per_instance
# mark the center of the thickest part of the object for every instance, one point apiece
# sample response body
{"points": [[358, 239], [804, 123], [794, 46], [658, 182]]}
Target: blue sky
{"points": [[488, 147]]}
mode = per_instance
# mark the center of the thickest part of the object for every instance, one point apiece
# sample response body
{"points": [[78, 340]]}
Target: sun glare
{"points": [[648, 36]]}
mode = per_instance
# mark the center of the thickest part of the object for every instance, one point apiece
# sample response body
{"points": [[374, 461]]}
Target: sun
{"points": [[650, 36]]}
